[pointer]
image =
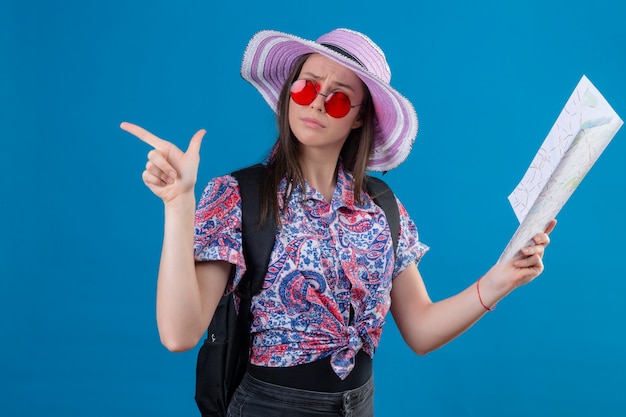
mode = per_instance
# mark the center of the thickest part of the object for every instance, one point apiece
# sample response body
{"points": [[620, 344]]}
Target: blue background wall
{"points": [[80, 234]]}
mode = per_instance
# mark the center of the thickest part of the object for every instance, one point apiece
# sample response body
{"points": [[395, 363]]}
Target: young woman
{"points": [[333, 273]]}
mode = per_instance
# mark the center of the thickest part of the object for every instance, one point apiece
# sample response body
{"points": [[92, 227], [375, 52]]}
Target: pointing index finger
{"points": [[143, 134]]}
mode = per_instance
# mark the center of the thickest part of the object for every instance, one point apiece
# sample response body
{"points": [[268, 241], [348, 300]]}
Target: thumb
{"points": [[196, 141]]}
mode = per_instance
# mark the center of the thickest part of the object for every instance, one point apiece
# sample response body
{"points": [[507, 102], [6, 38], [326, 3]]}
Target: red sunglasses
{"points": [[336, 104]]}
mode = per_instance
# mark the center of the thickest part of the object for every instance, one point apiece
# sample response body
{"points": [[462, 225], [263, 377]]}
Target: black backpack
{"points": [[223, 357]]}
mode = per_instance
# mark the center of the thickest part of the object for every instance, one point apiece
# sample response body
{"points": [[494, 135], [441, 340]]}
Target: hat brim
{"points": [[268, 61]]}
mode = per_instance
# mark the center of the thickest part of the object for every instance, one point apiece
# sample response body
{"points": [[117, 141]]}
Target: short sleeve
{"points": [[410, 249], [217, 229]]}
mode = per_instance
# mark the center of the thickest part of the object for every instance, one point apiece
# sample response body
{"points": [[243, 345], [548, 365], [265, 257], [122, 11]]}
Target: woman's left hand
{"points": [[523, 268], [529, 263]]}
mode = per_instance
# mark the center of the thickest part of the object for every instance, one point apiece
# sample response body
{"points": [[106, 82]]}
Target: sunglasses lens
{"points": [[337, 104], [303, 92]]}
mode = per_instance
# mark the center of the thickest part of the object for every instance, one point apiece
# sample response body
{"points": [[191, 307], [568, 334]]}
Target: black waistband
{"points": [[316, 376]]}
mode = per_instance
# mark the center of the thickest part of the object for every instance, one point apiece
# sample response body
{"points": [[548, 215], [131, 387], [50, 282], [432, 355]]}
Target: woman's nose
{"points": [[319, 102]]}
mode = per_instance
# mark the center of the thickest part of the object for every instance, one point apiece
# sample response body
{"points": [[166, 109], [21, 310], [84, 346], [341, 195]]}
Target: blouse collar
{"points": [[343, 196]]}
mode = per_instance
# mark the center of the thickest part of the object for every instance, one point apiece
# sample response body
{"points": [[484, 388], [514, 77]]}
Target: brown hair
{"points": [[284, 161]]}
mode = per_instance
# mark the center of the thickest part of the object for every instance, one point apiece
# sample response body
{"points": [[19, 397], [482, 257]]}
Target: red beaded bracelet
{"points": [[481, 299]]}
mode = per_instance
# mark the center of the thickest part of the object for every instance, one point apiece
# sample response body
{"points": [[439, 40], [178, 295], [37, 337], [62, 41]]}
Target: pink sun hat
{"points": [[268, 61]]}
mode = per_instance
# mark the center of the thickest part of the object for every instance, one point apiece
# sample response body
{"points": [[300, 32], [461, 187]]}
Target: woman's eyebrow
{"points": [[335, 83]]}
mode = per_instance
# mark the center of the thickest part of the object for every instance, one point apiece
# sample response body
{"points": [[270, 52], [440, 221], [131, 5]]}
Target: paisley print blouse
{"points": [[327, 287]]}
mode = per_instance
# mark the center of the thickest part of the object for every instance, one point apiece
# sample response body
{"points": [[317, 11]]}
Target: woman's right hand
{"points": [[169, 172]]}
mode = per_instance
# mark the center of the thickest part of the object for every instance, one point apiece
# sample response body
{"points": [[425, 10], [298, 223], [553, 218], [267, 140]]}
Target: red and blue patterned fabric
{"points": [[329, 258]]}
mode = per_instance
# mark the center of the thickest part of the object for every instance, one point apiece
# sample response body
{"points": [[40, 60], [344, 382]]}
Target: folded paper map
{"points": [[580, 134]]}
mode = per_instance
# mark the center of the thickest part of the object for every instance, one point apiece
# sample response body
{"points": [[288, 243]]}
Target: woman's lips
{"points": [[312, 122]]}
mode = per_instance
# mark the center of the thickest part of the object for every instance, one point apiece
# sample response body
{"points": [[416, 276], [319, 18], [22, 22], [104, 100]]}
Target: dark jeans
{"points": [[255, 398]]}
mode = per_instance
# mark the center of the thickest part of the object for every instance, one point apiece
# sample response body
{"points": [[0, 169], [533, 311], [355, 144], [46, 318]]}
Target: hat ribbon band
{"points": [[343, 52]]}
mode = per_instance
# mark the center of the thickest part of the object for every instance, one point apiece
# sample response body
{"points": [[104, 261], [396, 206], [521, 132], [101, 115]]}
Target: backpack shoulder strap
{"points": [[258, 239], [385, 199]]}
